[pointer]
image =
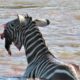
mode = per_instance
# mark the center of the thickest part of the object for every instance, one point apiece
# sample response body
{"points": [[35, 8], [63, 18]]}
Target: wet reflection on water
{"points": [[62, 35]]}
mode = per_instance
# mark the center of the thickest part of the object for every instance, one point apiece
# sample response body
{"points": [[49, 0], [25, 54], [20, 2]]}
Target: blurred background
{"points": [[62, 36]]}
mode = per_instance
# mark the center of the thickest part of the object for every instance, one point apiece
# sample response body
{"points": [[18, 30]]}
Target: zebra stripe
{"points": [[42, 64]]}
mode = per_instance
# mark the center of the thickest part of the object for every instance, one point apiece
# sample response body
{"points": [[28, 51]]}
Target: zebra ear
{"points": [[21, 19], [42, 22]]}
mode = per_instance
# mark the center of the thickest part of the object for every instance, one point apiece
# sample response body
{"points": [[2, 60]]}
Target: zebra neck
{"points": [[34, 44]]}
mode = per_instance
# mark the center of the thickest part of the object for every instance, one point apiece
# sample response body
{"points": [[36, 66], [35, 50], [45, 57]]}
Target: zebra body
{"points": [[42, 64]]}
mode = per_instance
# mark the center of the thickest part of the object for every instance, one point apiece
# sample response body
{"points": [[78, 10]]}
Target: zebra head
{"points": [[13, 30]]}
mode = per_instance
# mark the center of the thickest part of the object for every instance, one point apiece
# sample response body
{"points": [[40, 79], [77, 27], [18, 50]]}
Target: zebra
{"points": [[24, 31]]}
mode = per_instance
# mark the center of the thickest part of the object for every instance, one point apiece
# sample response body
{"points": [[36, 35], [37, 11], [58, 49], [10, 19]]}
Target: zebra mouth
{"points": [[7, 45]]}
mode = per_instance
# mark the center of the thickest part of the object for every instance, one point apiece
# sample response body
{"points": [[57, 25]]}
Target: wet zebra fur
{"points": [[24, 31]]}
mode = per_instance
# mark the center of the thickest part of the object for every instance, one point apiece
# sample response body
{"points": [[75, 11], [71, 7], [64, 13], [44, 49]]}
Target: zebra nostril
{"points": [[48, 22]]}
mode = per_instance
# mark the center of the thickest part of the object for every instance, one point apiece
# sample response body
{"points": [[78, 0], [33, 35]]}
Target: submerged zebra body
{"points": [[42, 64]]}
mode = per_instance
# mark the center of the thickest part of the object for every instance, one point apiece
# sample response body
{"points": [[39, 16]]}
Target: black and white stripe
{"points": [[42, 63]]}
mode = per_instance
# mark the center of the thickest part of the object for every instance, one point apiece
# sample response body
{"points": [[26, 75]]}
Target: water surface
{"points": [[62, 36]]}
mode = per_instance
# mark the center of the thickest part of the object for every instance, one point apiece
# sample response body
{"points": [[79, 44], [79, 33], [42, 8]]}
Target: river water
{"points": [[62, 36]]}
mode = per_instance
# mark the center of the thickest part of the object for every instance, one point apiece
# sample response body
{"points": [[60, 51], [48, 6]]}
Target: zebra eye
{"points": [[12, 25]]}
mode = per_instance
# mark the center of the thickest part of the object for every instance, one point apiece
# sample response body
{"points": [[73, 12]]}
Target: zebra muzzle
{"points": [[7, 48], [7, 45], [2, 35]]}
